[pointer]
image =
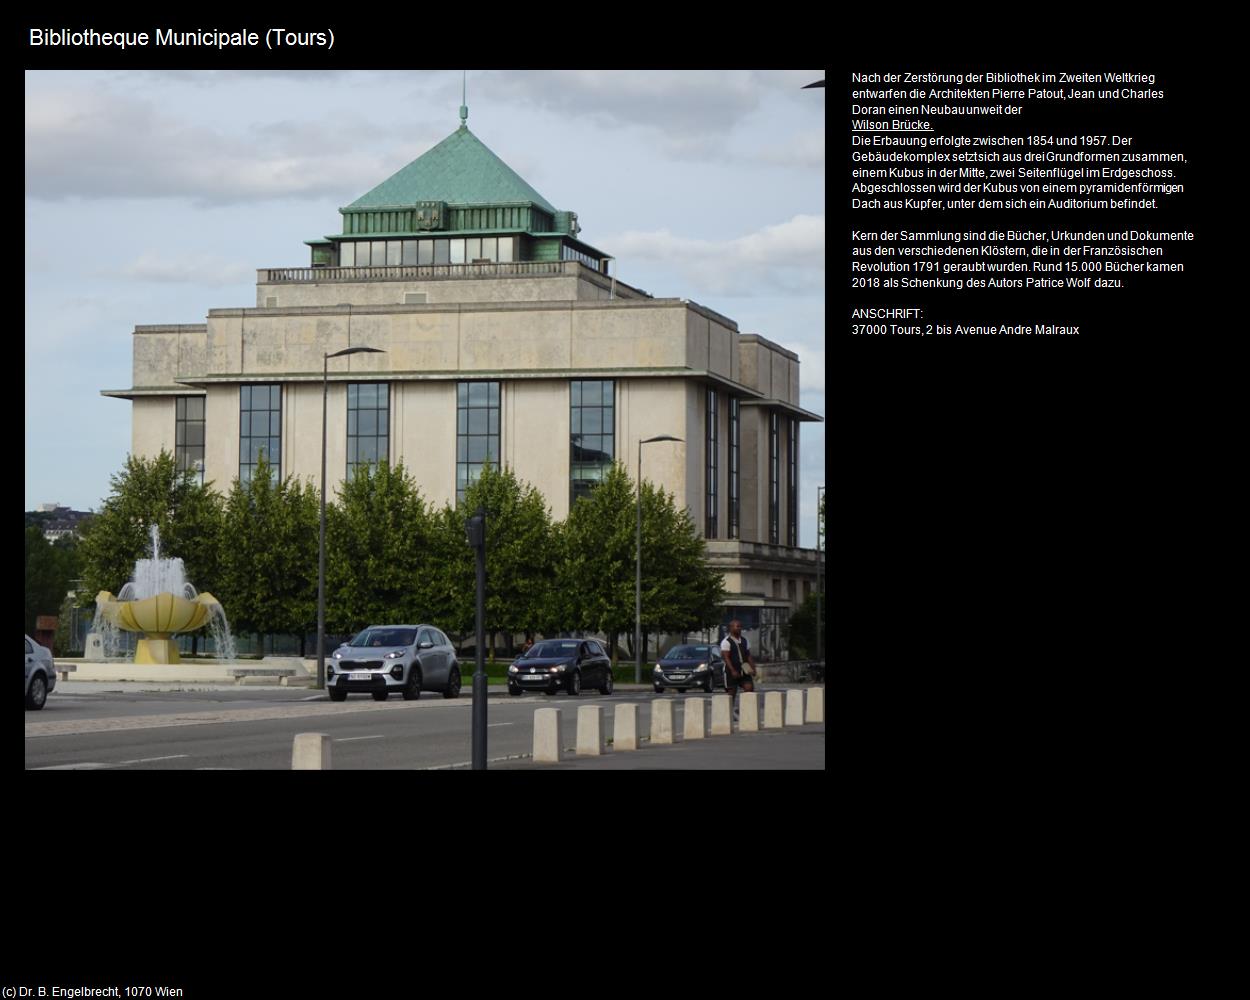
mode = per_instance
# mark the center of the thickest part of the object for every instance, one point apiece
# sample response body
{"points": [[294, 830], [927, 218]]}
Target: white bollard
{"points": [[815, 704], [589, 730], [661, 721], [773, 710], [748, 712], [693, 727], [794, 707], [311, 752], [625, 728], [547, 748], [721, 711]]}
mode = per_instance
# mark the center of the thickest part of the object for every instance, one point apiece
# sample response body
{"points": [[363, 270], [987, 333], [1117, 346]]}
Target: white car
{"points": [[40, 674]]}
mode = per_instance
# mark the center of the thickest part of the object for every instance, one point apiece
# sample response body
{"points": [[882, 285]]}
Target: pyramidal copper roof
{"points": [[460, 170]]}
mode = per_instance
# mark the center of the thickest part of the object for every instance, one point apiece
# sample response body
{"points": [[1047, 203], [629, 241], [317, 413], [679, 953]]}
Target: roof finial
{"points": [[464, 100]]}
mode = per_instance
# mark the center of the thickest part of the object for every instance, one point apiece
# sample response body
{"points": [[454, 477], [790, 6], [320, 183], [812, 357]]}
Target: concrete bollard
{"points": [[815, 704], [748, 712], [311, 752], [589, 730], [721, 711], [693, 727], [661, 721], [794, 707], [625, 728], [547, 748], [773, 710]]}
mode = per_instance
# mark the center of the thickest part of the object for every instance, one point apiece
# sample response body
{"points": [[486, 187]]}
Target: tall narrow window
{"points": [[260, 429], [477, 431], [774, 482], [734, 459], [712, 429], [368, 424], [189, 434], [792, 486], [592, 434]]}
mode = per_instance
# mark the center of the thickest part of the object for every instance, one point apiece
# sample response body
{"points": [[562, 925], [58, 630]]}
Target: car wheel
{"points": [[681, 690], [575, 684], [514, 691], [453, 683], [338, 694], [380, 695], [607, 684], [412, 690], [38, 693], [658, 689], [711, 686]]}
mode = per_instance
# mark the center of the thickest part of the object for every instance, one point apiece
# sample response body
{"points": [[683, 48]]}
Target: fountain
{"points": [[159, 602]]}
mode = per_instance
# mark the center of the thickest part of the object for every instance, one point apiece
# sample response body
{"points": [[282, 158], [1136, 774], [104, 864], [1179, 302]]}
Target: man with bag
{"points": [[739, 663]]}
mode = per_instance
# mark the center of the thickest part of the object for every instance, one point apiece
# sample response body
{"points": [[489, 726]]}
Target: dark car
{"points": [[40, 674], [553, 664], [694, 666], [386, 658]]}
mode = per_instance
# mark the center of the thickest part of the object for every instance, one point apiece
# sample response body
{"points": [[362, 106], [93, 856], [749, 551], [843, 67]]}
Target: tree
{"points": [[597, 571], [520, 557], [147, 492], [269, 561], [803, 625], [51, 569], [378, 558]]}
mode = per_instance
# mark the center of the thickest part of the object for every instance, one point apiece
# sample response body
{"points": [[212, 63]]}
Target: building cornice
{"points": [[780, 404]]}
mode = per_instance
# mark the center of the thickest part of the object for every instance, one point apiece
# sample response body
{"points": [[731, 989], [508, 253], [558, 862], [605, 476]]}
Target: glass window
{"points": [[260, 429], [792, 486], [189, 434], [347, 255], [457, 251], [410, 252], [377, 253], [490, 249], [472, 249], [506, 245], [425, 251], [734, 431], [393, 253], [477, 434], [442, 251], [591, 435], [774, 482], [368, 409], [710, 527]]}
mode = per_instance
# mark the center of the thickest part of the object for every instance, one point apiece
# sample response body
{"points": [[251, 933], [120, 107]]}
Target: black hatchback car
{"points": [[553, 664], [694, 666]]}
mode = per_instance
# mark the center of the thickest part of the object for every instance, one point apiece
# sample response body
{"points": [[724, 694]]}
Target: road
{"points": [[254, 729]]}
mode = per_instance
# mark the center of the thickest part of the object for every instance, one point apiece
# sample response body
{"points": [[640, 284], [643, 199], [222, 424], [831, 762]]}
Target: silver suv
{"points": [[386, 658], [40, 674]]}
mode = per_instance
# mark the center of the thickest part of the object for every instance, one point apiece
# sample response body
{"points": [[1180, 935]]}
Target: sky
{"points": [[153, 196]]}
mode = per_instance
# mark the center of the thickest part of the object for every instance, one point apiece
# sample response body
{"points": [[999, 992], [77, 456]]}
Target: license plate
{"points": [[361, 675], [679, 677], [534, 677]]}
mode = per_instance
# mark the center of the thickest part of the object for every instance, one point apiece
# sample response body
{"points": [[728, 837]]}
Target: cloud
{"points": [[804, 149], [200, 270], [787, 258], [98, 144]]}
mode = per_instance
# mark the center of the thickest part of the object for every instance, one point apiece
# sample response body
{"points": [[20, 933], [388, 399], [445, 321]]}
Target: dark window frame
{"points": [[382, 440], [735, 461], [465, 438], [606, 435], [246, 393], [792, 485], [774, 481], [185, 455], [710, 493]]}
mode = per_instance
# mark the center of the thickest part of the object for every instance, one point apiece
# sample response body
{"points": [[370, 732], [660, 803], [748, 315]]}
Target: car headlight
{"points": [[396, 654], [658, 668], [702, 667], [558, 669], [338, 654], [512, 669]]}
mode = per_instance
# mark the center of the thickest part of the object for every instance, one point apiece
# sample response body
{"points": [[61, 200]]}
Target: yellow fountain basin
{"points": [[159, 617]]}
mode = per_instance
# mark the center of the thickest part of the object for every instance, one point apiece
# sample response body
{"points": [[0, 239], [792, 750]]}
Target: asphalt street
{"points": [[123, 726]]}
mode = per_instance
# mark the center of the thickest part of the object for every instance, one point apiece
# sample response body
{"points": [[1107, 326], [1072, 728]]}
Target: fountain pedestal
{"points": [[158, 618]]}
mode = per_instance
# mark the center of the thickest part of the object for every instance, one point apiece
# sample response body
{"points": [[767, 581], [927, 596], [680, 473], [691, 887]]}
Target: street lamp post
{"points": [[820, 548], [638, 565], [321, 547]]}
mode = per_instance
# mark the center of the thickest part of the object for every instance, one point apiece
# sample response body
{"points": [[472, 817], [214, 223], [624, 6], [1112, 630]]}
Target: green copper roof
{"points": [[460, 170]]}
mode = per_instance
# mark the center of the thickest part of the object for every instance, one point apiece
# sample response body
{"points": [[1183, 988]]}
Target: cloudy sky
{"points": [[153, 196]]}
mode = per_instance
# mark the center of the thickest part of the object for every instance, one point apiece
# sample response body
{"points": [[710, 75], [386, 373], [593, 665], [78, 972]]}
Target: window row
{"points": [[395, 253]]}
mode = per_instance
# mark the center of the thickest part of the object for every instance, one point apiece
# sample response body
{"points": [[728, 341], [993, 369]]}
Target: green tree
{"points": [[803, 625], [51, 568], [378, 556], [147, 492], [520, 557], [597, 571], [269, 561]]}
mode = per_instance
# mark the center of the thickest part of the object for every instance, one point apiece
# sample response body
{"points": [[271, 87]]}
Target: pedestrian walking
{"points": [[740, 665]]}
